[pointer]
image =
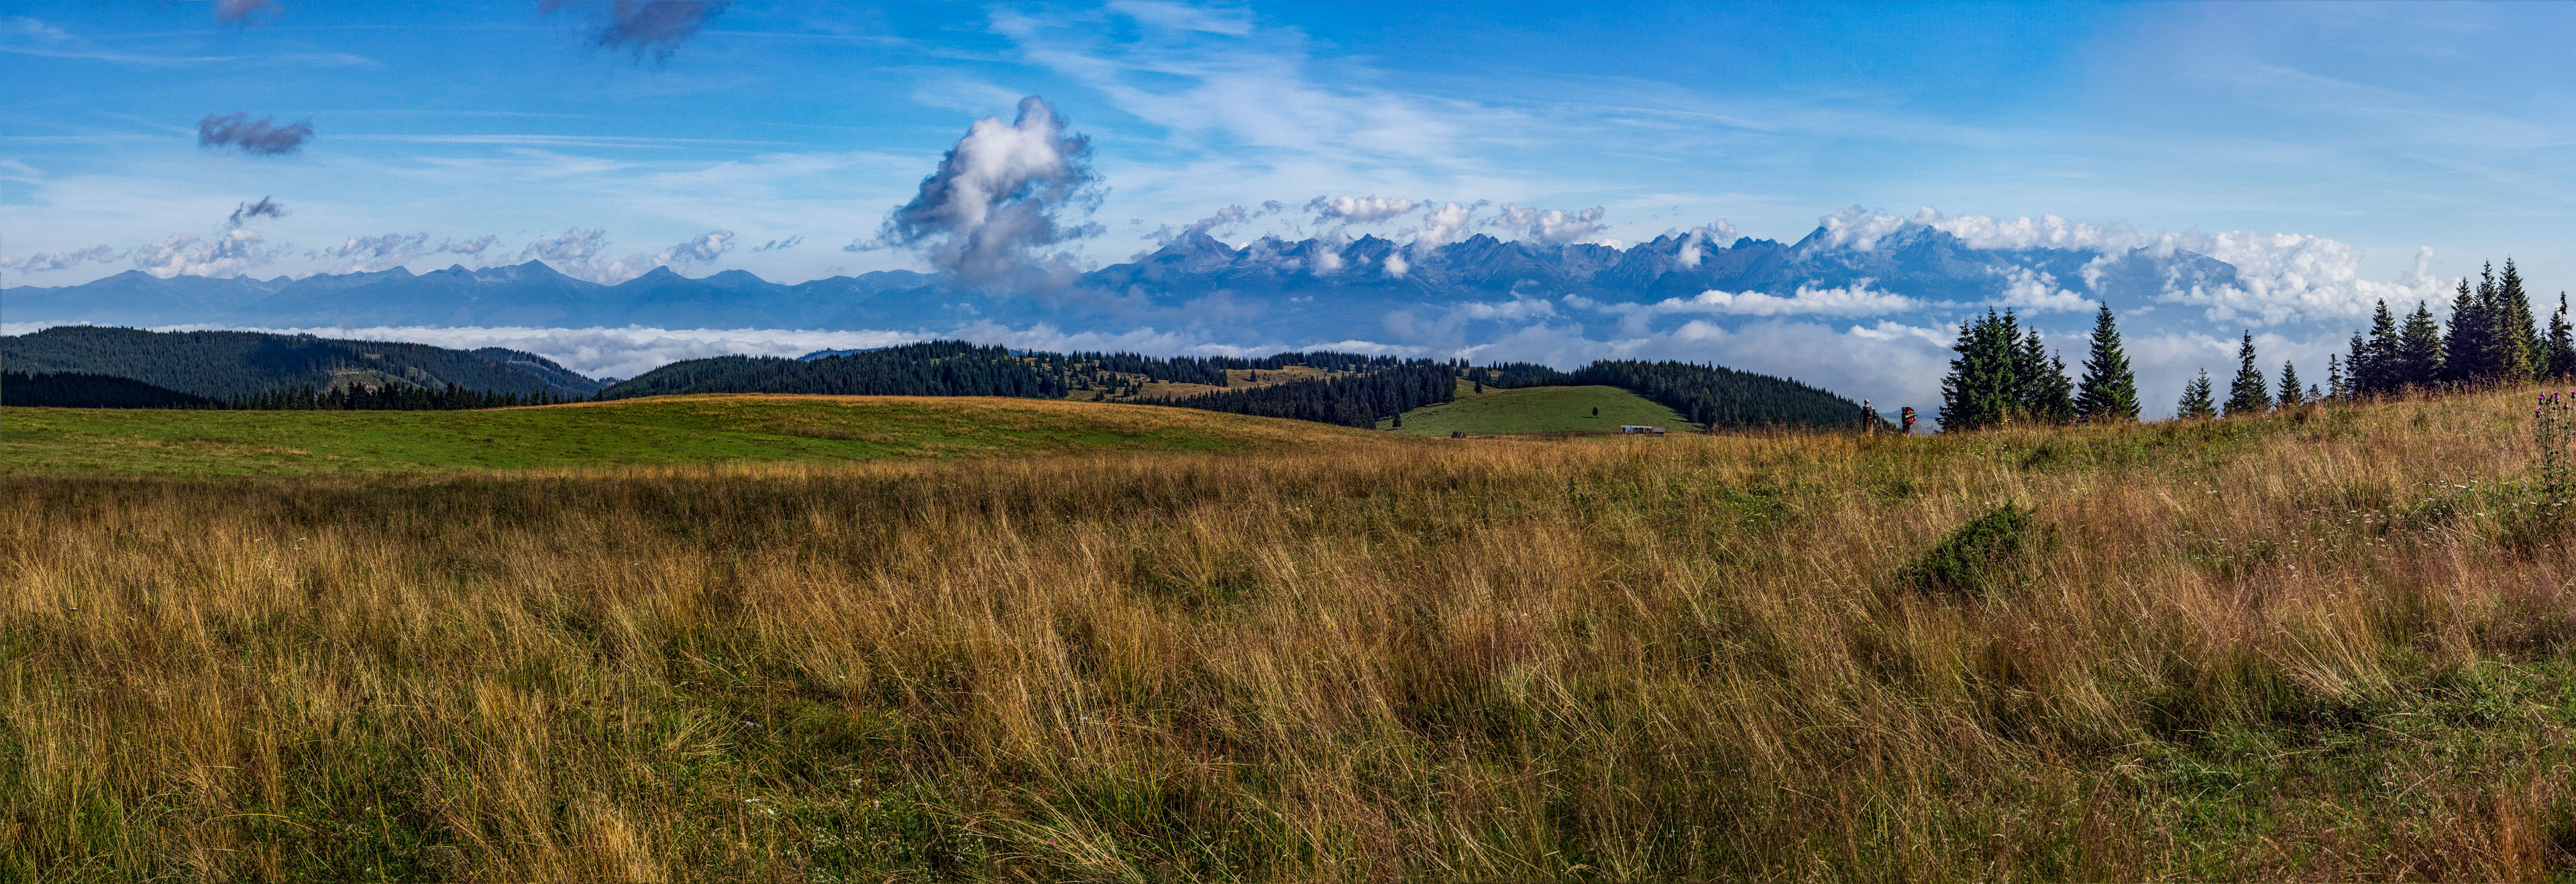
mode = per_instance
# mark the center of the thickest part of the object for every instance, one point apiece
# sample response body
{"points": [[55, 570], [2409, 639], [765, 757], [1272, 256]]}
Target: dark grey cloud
{"points": [[1002, 198], [647, 28], [237, 11], [265, 208], [780, 245], [255, 137]]}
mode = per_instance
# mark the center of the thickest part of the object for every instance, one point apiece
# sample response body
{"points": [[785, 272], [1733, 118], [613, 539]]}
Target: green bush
{"points": [[1975, 558]]}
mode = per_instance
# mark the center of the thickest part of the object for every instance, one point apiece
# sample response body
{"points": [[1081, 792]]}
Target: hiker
{"points": [[1909, 420]]}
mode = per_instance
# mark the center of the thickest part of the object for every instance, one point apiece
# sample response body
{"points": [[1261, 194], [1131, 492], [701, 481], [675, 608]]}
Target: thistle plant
{"points": [[2554, 428]]}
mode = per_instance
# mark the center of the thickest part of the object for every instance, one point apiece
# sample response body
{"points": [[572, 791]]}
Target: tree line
{"points": [[2490, 339], [2003, 374], [80, 390], [1350, 400]]}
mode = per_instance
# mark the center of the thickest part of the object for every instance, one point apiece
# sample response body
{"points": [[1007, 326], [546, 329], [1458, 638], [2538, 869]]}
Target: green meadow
{"points": [[1538, 410], [643, 432]]}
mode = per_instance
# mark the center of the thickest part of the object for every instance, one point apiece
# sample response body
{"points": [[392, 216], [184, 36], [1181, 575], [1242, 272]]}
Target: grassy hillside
{"points": [[1539, 410], [666, 430], [219, 364], [2332, 644]]}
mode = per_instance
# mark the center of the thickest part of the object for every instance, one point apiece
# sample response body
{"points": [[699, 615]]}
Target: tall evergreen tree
{"points": [[2247, 394], [2560, 349], [2056, 400], [2521, 342], [2291, 393], [2196, 401], [1981, 389], [2469, 347], [2337, 386], [2043, 393], [2374, 361], [2110, 390], [2419, 351]]}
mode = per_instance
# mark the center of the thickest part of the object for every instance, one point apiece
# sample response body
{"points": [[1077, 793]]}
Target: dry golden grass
{"points": [[2329, 644]]}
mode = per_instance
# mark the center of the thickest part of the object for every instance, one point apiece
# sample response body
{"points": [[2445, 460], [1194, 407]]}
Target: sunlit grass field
{"points": [[632, 432], [1539, 410], [2327, 644]]}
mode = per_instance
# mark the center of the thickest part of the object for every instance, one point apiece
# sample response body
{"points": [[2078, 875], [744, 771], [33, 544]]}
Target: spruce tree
{"points": [[2110, 390], [2247, 394], [1981, 389], [2469, 345], [2374, 362], [2336, 386], [2292, 394], [2419, 350], [2196, 400], [2518, 344], [2561, 346]]}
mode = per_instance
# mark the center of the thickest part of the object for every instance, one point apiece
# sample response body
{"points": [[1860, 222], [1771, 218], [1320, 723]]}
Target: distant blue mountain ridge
{"points": [[1267, 290]]}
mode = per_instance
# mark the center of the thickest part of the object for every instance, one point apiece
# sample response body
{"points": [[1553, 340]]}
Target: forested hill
{"points": [[1340, 388], [77, 390], [957, 368], [225, 364], [1716, 396]]}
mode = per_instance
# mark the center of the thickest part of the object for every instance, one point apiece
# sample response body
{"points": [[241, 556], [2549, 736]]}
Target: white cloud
{"points": [[1698, 239], [576, 252], [1360, 209], [1856, 299], [2035, 291], [228, 254], [2280, 277], [1553, 226], [52, 261], [1443, 224], [385, 252]]}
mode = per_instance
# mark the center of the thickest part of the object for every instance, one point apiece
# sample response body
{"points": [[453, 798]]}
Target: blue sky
{"points": [[2386, 127]]}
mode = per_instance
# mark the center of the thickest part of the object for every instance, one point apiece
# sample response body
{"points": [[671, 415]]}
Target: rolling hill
{"points": [[1539, 410], [665, 430], [220, 364]]}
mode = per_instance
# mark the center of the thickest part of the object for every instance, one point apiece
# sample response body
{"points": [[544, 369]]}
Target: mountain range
{"points": [[1268, 289]]}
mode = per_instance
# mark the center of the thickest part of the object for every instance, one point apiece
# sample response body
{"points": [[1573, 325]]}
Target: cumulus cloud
{"points": [[1856, 299], [1223, 219], [1443, 224], [574, 248], [1695, 243], [259, 137], [373, 253], [265, 208], [52, 261], [2035, 291], [1360, 209], [647, 28], [2280, 277], [1002, 198], [1552, 226], [780, 245], [582, 253], [227, 254], [700, 249]]}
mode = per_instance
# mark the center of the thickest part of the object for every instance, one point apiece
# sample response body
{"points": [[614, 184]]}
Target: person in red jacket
{"points": [[1909, 420]]}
